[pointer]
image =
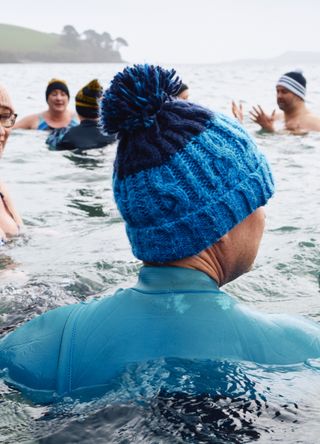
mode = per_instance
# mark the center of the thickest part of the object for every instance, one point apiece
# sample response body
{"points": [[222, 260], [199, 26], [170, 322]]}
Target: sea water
{"points": [[74, 247]]}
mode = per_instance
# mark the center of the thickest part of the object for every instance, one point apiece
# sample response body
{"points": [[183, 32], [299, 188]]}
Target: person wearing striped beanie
{"points": [[295, 82], [86, 135], [190, 185], [295, 116]]}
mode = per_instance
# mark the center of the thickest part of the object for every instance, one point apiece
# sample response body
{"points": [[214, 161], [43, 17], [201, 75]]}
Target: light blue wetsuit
{"points": [[171, 312]]}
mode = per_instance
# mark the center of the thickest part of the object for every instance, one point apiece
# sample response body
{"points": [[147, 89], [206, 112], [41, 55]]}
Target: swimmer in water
{"points": [[57, 115], [295, 116], [10, 220]]}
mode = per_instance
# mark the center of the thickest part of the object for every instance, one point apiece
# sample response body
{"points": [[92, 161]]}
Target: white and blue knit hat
{"points": [[295, 82], [184, 176]]}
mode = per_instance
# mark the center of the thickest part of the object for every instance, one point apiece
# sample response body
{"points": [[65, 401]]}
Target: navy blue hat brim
{"points": [[182, 207]]}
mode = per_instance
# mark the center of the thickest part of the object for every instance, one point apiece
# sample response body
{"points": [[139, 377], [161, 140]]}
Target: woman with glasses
{"points": [[10, 221]]}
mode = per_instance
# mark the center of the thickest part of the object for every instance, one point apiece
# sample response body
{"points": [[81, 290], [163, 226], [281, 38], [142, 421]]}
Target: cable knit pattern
{"points": [[186, 180], [176, 123]]}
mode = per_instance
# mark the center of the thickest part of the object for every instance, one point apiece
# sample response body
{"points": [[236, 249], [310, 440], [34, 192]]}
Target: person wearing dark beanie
{"points": [[183, 93], [58, 85], [87, 135], [57, 116], [291, 93], [190, 184]]}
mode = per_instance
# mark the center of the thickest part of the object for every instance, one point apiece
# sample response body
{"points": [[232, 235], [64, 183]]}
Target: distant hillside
{"points": [[296, 57], [18, 45]]}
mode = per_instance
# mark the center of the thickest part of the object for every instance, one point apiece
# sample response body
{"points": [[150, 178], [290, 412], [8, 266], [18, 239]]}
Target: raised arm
{"points": [[237, 111]]}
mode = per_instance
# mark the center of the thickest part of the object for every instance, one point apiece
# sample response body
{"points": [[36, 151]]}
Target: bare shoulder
{"points": [[312, 122], [28, 122], [316, 122]]}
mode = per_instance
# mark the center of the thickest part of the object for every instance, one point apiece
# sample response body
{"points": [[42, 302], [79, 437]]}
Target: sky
{"points": [[182, 31]]}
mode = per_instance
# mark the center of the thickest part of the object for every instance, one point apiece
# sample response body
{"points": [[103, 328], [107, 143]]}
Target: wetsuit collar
{"points": [[174, 279]]}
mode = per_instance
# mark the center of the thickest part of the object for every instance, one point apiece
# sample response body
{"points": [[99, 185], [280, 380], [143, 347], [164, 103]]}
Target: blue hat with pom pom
{"points": [[183, 176]]}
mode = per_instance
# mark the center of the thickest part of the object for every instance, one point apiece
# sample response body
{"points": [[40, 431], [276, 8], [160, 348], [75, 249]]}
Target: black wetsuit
{"points": [[84, 136]]}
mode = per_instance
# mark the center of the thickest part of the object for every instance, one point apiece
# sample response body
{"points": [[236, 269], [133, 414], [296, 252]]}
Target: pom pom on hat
{"points": [[88, 98], [5, 100], [135, 97]]}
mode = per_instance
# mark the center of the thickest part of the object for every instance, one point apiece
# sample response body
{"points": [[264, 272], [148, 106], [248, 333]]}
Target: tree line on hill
{"points": [[92, 46], [69, 46]]}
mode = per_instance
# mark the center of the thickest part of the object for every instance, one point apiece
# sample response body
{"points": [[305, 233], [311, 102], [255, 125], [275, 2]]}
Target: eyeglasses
{"points": [[8, 120]]}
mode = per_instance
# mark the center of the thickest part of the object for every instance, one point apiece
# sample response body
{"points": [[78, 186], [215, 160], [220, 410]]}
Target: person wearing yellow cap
{"points": [[10, 221], [57, 115], [86, 135]]}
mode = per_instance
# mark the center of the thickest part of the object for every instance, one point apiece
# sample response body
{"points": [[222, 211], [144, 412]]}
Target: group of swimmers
{"points": [[190, 185], [67, 130], [70, 131]]}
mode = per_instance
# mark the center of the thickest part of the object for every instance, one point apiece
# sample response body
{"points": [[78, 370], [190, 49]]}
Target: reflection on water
{"points": [[89, 160], [6, 262], [178, 401], [75, 246], [91, 210], [169, 418]]}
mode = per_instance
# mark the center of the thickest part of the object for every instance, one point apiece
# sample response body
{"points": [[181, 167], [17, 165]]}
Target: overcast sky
{"points": [[182, 31]]}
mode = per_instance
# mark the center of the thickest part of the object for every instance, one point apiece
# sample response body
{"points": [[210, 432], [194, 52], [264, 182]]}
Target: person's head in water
{"points": [[87, 100], [291, 90], [57, 95], [7, 117], [188, 182], [183, 92]]}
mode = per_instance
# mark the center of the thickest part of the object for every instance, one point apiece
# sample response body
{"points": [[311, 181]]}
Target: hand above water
{"points": [[237, 111], [261, 118]]}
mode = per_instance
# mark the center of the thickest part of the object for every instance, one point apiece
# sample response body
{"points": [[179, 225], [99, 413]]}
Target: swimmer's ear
{"points": [[223, 239]]}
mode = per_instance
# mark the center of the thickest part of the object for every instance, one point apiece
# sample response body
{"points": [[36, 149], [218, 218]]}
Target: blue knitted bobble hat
{"points": [[183, 175]]}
